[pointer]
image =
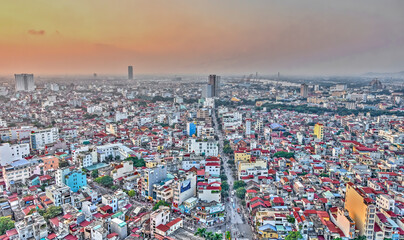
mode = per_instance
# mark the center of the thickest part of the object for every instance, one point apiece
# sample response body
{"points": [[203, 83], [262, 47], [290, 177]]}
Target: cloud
{"points": [[36, 32]]}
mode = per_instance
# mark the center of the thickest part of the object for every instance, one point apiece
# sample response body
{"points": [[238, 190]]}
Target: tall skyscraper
{"points": [[24, 82], [304, 90], [213, 87], [130, 72], [207, 91]]}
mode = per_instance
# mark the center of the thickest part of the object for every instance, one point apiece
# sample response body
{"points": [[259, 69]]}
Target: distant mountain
{"points": [[384, 75]]}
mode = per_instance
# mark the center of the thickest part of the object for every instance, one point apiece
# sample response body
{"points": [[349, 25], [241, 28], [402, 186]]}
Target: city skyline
{"points": [[292, 37]]}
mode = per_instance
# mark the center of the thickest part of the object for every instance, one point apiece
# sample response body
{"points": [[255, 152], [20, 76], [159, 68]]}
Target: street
{"points": [[234, 221]]}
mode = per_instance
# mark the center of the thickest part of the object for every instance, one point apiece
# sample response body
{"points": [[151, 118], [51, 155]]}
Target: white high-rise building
{"points": [[41, 138], [248, 127], [208, 148], [24, 82], [10, 153]]}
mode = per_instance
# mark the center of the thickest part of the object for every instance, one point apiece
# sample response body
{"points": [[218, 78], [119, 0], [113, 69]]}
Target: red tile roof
{"points": [[162, 228], [173, 222]]}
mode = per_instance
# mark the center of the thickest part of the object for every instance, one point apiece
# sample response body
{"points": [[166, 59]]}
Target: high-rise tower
{"points": [[214, 84], [24, 82], [130, 72], [304, 90]]}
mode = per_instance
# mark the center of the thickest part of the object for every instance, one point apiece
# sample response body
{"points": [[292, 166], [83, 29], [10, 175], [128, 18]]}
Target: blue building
{"points": [[191, 128], [75, 179]]}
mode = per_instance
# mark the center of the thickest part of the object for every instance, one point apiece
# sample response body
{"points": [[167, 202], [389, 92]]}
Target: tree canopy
{"points": [[136, 161], [51, 212], [240, 192], [5, 224], [284, 154], [94, 173], [293, 235], [106, 181], [132, 193], [160, 203], [238, 184]]}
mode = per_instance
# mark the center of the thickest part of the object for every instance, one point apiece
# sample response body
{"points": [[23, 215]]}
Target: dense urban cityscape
{"points": [[247, 157], [202, 120]]}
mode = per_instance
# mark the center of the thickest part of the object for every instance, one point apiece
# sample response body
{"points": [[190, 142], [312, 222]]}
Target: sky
{"points": [[201, 36]]}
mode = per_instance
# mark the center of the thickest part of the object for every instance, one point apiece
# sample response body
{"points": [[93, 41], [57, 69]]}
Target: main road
{"points": [[234, 221]]}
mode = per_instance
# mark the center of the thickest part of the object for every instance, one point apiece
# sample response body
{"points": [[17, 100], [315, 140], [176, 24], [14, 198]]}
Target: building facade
{"points": [[24, 82]]}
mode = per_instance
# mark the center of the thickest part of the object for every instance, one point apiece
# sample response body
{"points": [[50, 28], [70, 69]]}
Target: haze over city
{"points": [[231, 37], [202, 120]]}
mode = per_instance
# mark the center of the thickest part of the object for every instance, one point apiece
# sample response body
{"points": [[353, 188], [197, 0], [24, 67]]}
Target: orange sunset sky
{"points": [[187, 36]]}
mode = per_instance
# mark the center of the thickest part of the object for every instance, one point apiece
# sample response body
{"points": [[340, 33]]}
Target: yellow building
{"points": [[361, 209], [242, 156], [267, 233], [318, 131], [151, 164]]}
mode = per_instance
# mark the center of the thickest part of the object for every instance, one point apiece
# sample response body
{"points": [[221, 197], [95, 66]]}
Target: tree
{"points": [[360, 238], [239, 184], [227, 149], [109, 158], [223, 177], [228, 235], [240, 192], [284, 154], [94, 173], [209, 236], [225, 189], [51, 212], [217, 236], [160, 203], [291, 219], [225, 186], [5, 224], [293, 236], [136, 162], [285, 134], [106, 181], [139, 163], [200, 232], [132, 193]]}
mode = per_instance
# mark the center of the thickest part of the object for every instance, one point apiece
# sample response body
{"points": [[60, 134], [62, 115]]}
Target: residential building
{"points": [[184, 188], [319, 131], [120, 227], [13, 152], [202, 147], [153, 176], [59, 195], [41, 138], [32, 227], [384, 201], [17, 172], [160, 216], [362, 209], [48, 163]]}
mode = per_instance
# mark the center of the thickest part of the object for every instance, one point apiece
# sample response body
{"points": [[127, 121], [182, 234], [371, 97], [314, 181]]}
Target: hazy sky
{"points": [[201, 36]]}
